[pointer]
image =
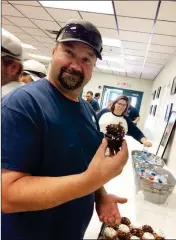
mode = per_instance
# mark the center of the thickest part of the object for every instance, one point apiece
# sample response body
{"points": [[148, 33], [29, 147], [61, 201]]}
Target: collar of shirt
{"points": [[10, 87]]}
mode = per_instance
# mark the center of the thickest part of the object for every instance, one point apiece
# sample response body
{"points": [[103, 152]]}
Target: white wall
{"points": [[101, 79], [154, 126]]}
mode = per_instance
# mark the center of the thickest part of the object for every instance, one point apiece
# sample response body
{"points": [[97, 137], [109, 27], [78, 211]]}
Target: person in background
{"points": [[97, 97], [53, 154], [110, 104], [33, 71], [133, 113], [116, 114], [92, 101], [11, 65]]}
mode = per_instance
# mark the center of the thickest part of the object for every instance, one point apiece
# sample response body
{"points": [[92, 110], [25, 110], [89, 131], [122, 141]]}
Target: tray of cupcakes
{"points": [[126, 230]]}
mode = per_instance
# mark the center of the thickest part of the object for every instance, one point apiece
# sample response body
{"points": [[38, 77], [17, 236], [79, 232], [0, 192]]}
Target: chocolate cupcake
{"points": [[114, 135], [123, 232], [123, 235], [134, 237], [147, 228], [110, 233], [124, 228], [126, 221], [159, 238], [158, 234], [137, 232], [147, 236]]}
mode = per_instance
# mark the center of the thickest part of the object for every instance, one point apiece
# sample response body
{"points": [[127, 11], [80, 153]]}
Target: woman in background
{"points": [[116, 114]]}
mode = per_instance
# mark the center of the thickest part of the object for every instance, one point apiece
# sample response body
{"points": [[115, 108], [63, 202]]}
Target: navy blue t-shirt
{"points": [[132, 113], [94, 103], [46, 134]]}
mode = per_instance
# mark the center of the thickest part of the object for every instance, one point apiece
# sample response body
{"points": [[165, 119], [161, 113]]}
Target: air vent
{"points": [[52, 32]]}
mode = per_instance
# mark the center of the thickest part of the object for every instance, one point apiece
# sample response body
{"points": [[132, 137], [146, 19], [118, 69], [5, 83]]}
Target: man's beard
{"points": [[72, 81]]}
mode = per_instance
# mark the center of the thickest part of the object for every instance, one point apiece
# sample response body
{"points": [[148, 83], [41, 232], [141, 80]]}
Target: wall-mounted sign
{"points": [[124, 84]]}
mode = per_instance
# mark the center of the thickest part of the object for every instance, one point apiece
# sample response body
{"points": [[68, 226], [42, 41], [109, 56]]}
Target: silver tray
{"points": [[152, 159], [161, 188], [155, 192], [100, 235]]}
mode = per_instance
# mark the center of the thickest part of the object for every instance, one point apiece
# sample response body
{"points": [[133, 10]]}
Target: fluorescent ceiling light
{"points": [[114, 59], [88, 6], [39, 57], [27, 46], [111, 42], [130, 57], [110, 68]]}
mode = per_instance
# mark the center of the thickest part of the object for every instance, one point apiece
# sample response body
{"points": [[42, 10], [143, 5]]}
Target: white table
{"points": [[137, 209]]}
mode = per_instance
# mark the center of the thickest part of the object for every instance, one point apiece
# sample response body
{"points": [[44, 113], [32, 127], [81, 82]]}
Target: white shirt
{"points": [[110, 118], [7, 88]]}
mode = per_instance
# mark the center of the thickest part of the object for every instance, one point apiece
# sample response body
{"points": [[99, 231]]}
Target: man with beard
{"points": [[11, 66], [53, 155]]}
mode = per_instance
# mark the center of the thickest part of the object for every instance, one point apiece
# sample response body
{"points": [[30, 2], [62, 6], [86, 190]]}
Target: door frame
{"points": [[129, 91]]}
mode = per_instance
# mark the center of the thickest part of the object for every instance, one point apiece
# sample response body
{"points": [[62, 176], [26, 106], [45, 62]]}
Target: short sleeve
{"points": [[20, 136], [97, 107]]}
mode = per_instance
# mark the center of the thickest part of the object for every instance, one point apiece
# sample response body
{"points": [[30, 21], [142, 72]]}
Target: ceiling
{"points": [[139, 37]]}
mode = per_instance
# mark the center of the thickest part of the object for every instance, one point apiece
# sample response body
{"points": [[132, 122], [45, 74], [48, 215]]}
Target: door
{"points": [[111, 93]]}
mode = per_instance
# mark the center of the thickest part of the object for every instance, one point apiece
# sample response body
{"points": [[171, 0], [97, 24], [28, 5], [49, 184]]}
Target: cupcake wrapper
{"points": [[114, 145]]}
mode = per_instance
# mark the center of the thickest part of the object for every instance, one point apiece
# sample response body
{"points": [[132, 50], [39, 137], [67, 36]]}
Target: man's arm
{"points": [[136, 115], [21, 147], [146, 142], [96, 107], [136, 120], [100, 193], [22, 192]]}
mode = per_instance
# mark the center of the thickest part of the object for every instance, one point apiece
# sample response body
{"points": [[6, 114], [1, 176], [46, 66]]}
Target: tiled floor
{"points": [[139, 210]]}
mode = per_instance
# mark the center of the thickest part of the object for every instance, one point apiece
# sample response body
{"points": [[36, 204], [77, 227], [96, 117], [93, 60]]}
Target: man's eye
{"points": [[86, 60], [69, 52]]}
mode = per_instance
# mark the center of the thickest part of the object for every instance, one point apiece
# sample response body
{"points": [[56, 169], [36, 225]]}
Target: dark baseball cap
{"points": [[81, 31]]}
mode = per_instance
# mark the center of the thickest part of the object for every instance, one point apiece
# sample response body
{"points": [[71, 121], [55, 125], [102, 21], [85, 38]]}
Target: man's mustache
{"points": [[73, 72]]}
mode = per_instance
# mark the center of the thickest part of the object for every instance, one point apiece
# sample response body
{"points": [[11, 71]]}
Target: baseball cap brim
{"points": [[79, 40], [4, 54], [33, 76]]}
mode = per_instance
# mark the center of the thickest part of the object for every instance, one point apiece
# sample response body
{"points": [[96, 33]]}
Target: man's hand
{"points": [[107, 209], [147, 144], [102, 168]]}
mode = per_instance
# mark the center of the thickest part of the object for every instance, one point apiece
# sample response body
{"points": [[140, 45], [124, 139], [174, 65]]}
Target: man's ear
{"points": [[54, 49], [95, 63]]}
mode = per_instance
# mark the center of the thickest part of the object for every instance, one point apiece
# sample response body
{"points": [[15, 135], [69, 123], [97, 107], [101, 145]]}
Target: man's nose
{"points": [[76, 65]]}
